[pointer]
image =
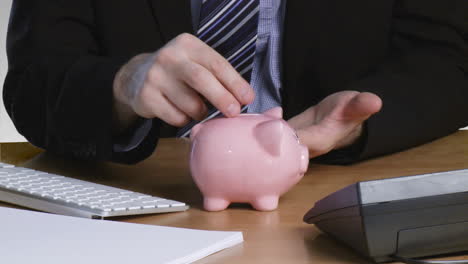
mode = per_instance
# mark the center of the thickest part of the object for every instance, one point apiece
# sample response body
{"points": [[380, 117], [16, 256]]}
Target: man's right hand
{"points": [[173, 83]]}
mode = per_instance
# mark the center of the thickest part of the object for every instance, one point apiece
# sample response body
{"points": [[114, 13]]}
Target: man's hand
{"points": [[335, 122], [173, 83]]}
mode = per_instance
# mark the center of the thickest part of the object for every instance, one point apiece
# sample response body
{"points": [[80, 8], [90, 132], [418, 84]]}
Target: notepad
{"points": [[33, 237]]}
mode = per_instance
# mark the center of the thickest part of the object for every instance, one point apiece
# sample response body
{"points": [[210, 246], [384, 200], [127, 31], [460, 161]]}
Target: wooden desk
{"points": [[270, 237]]}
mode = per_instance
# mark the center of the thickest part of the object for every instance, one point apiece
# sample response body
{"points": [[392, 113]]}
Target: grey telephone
{"points": [[399, 218]]}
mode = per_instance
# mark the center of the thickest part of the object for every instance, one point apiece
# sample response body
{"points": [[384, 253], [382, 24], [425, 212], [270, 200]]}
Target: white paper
{"points": [[33, 237]]}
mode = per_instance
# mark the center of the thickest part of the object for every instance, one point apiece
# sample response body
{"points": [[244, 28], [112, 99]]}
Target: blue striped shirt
{"points": [[266, 73]]}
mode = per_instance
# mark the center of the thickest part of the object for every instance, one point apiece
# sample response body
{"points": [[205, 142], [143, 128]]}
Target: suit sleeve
{"points": [[58, 89], [423, 82]]}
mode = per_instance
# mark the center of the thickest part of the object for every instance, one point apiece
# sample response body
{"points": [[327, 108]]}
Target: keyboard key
{"points": [[162, 205], [96, 199]]}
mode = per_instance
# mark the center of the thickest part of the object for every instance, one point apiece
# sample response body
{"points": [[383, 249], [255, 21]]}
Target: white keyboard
{"points": [[63, 195]]}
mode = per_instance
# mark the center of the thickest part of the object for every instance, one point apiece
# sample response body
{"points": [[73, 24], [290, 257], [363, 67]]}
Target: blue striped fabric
{"points": [[267, 69], [229, 27]]}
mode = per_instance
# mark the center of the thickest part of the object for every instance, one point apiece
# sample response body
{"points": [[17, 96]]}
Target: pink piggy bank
{"points": [[252, 158]]}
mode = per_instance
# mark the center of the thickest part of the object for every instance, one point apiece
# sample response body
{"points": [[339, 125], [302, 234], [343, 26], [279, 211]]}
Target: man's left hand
{"points": [[335, 122]]}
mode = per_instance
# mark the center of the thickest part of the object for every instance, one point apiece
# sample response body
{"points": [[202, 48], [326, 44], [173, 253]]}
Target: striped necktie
{"points": [[229, 27]]}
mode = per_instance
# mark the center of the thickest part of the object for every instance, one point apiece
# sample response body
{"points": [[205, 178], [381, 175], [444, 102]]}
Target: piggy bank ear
{"points": [[275, 112], [195, 130], [270, 136]]}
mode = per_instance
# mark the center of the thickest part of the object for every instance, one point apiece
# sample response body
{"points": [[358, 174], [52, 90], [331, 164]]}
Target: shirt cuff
{"points": [[133, 137]]}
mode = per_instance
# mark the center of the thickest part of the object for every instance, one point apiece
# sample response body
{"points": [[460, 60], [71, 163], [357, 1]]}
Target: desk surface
{"points": [[270, 237]]}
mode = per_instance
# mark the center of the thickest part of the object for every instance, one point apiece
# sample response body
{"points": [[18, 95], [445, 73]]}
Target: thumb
{"points": [[361, 107]]}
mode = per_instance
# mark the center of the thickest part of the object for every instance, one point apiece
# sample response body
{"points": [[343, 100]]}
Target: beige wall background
{"points": [[10, 151], [8, 132]]}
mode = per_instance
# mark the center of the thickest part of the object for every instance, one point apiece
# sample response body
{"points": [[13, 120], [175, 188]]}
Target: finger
{"points": [[187, 100], [362, 106], [317, 139], [224, 72], [201, 80], [336, 122], [154, 104], [170, 114], [326, 136], [303, 119]]}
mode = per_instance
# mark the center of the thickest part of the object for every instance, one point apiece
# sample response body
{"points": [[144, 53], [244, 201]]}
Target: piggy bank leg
{"points": [[266, 203], [215, 204]]}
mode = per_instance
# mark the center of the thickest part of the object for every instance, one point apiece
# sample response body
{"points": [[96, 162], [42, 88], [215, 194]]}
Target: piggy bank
{"points": [[251, 158]]}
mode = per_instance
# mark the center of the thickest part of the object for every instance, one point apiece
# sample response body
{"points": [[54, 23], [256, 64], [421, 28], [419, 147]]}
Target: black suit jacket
{"points": [[63, 56]]}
